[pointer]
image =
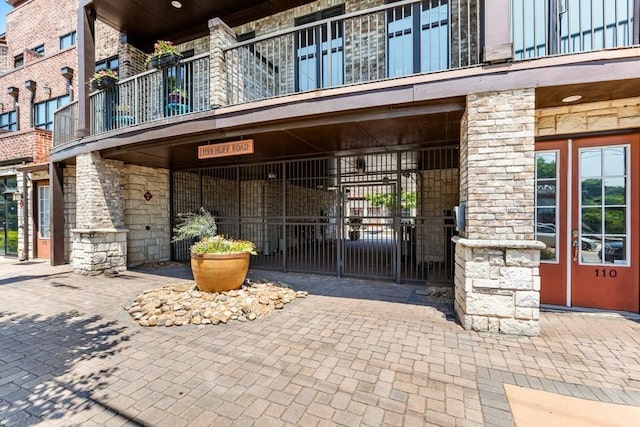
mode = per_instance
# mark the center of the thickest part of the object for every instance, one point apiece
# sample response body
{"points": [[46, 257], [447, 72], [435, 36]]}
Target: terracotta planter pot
{"points": [[217, 273]]}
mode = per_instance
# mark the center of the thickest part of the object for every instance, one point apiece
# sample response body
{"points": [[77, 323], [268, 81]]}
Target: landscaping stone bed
{"points": [[183, 304]]}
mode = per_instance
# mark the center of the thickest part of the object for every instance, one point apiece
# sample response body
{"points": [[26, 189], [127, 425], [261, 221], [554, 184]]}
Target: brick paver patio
{"points": [[352, 353]]}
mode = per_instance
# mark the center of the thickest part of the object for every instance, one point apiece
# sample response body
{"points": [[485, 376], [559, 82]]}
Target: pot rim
{"points": [[231, 255]]}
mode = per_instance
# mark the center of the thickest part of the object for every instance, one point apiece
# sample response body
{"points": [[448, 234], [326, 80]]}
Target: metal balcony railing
{"points": [[65, 124], [550, 27], [153, 95], [398, 39]]}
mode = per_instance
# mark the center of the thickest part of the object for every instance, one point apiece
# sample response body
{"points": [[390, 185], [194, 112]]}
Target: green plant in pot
{"points": [[218, 263]]}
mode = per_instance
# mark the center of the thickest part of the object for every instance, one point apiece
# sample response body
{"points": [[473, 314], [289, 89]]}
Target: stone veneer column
{"points": [[99, 239], [221, 36], [497, 280]]}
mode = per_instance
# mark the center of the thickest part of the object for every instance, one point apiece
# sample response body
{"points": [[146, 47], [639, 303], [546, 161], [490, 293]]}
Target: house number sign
{"points": [[235, 148]]}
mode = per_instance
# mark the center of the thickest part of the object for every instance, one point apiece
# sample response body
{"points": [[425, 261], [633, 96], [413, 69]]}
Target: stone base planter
{"points": [[218, 273]]}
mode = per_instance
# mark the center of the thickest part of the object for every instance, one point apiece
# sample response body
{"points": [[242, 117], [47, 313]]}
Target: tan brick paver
{"points": [[69, 354]]}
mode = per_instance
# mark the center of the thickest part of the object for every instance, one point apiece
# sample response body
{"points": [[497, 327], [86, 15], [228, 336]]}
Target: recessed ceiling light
{"points": [[572, 98], [176, 4]]}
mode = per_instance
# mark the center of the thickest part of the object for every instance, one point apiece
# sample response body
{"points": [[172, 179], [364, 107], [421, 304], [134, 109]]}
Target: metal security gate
{"points": [[385, 215]]}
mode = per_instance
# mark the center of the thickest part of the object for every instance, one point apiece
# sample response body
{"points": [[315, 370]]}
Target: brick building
{"points": [[491, 146], [38, 63]]}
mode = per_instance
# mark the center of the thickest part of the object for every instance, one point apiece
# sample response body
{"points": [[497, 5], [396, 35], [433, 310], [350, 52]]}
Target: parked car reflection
{"points": [[612, 251]]}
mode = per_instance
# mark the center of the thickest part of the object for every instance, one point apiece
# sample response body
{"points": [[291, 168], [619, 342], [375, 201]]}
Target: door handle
{"points": [[574, 243]]}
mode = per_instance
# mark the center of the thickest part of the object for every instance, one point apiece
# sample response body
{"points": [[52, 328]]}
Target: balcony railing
{"points": [[550, 27], [399, 39], [153, 95], [65, 124]]}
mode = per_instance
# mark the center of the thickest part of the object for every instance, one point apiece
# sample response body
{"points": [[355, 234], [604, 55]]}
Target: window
{"points": [[546, 203], [111, 63], [418, 38], [319, 51], [68, 40], [43, 111], [8, 121], [542, 27], [246, 36], [18, 61], [43, 212], [39, 49]]}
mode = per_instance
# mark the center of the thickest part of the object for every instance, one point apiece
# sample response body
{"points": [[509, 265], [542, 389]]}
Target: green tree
{"points": [[388, 200]]}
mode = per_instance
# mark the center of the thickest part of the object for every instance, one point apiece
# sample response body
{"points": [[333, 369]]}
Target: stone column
{"points": [[221, 36], [99, 239], [497, 280]]}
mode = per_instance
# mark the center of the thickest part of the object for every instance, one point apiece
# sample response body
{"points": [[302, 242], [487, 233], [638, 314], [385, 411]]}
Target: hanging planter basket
{"points": [[164, 60], [104, 82]]}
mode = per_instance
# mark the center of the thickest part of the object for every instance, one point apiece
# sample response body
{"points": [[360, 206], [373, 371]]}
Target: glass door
{"points": [[604, 224], [8, 217]]}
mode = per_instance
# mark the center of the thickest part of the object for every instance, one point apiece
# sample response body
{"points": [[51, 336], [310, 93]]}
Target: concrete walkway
{"points": [[352, 353]]}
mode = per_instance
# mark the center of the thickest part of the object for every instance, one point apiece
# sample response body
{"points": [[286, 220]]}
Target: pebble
{"points": [[183, 304]]}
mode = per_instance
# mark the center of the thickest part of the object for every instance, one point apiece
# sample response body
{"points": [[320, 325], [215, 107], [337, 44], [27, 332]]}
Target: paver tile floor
{"points": [[352, 353]]}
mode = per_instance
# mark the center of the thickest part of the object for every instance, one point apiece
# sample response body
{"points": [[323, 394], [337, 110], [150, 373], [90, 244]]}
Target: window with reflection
{"points": [[319, 51], [548, 27], [418, 38], [546, 203], [604, 208]]}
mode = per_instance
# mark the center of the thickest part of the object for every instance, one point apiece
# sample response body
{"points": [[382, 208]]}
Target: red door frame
{"points": [[588, 287]]}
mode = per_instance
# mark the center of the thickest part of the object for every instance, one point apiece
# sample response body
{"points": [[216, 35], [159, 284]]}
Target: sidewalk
{"points": [[352, 353]]}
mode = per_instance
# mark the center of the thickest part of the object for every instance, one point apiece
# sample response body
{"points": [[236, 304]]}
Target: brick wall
{"points": [[39, 22], [148, 221], [589, 117], [45, 72], [268, 69], [29, 143]]}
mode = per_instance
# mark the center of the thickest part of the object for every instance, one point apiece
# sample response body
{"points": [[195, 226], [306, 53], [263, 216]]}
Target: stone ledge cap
{"points": [[499, 244], [99, 230]]}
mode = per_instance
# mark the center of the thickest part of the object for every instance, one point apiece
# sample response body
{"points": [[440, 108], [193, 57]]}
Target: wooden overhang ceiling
{"points": [[144, 21], [307, 141], [552, 96]]}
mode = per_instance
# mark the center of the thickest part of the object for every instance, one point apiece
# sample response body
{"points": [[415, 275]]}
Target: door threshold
{"points": [[590, 311]]}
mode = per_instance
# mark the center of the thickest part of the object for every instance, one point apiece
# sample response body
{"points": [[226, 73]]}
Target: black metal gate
{"points": [[385, 215]]}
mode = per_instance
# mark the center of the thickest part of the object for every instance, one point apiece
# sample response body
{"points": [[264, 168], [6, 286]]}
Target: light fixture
{"points": [[572, 98], [176, 4], [272, 175], [47, 90]]}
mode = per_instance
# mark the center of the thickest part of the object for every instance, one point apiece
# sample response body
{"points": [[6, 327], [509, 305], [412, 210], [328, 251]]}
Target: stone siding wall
{"points": [[589, 117], [498, 151], [69, 189], [148, 221], [107, 41], [497, 284], [437, 191], [100, 197], [99, 239]]}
